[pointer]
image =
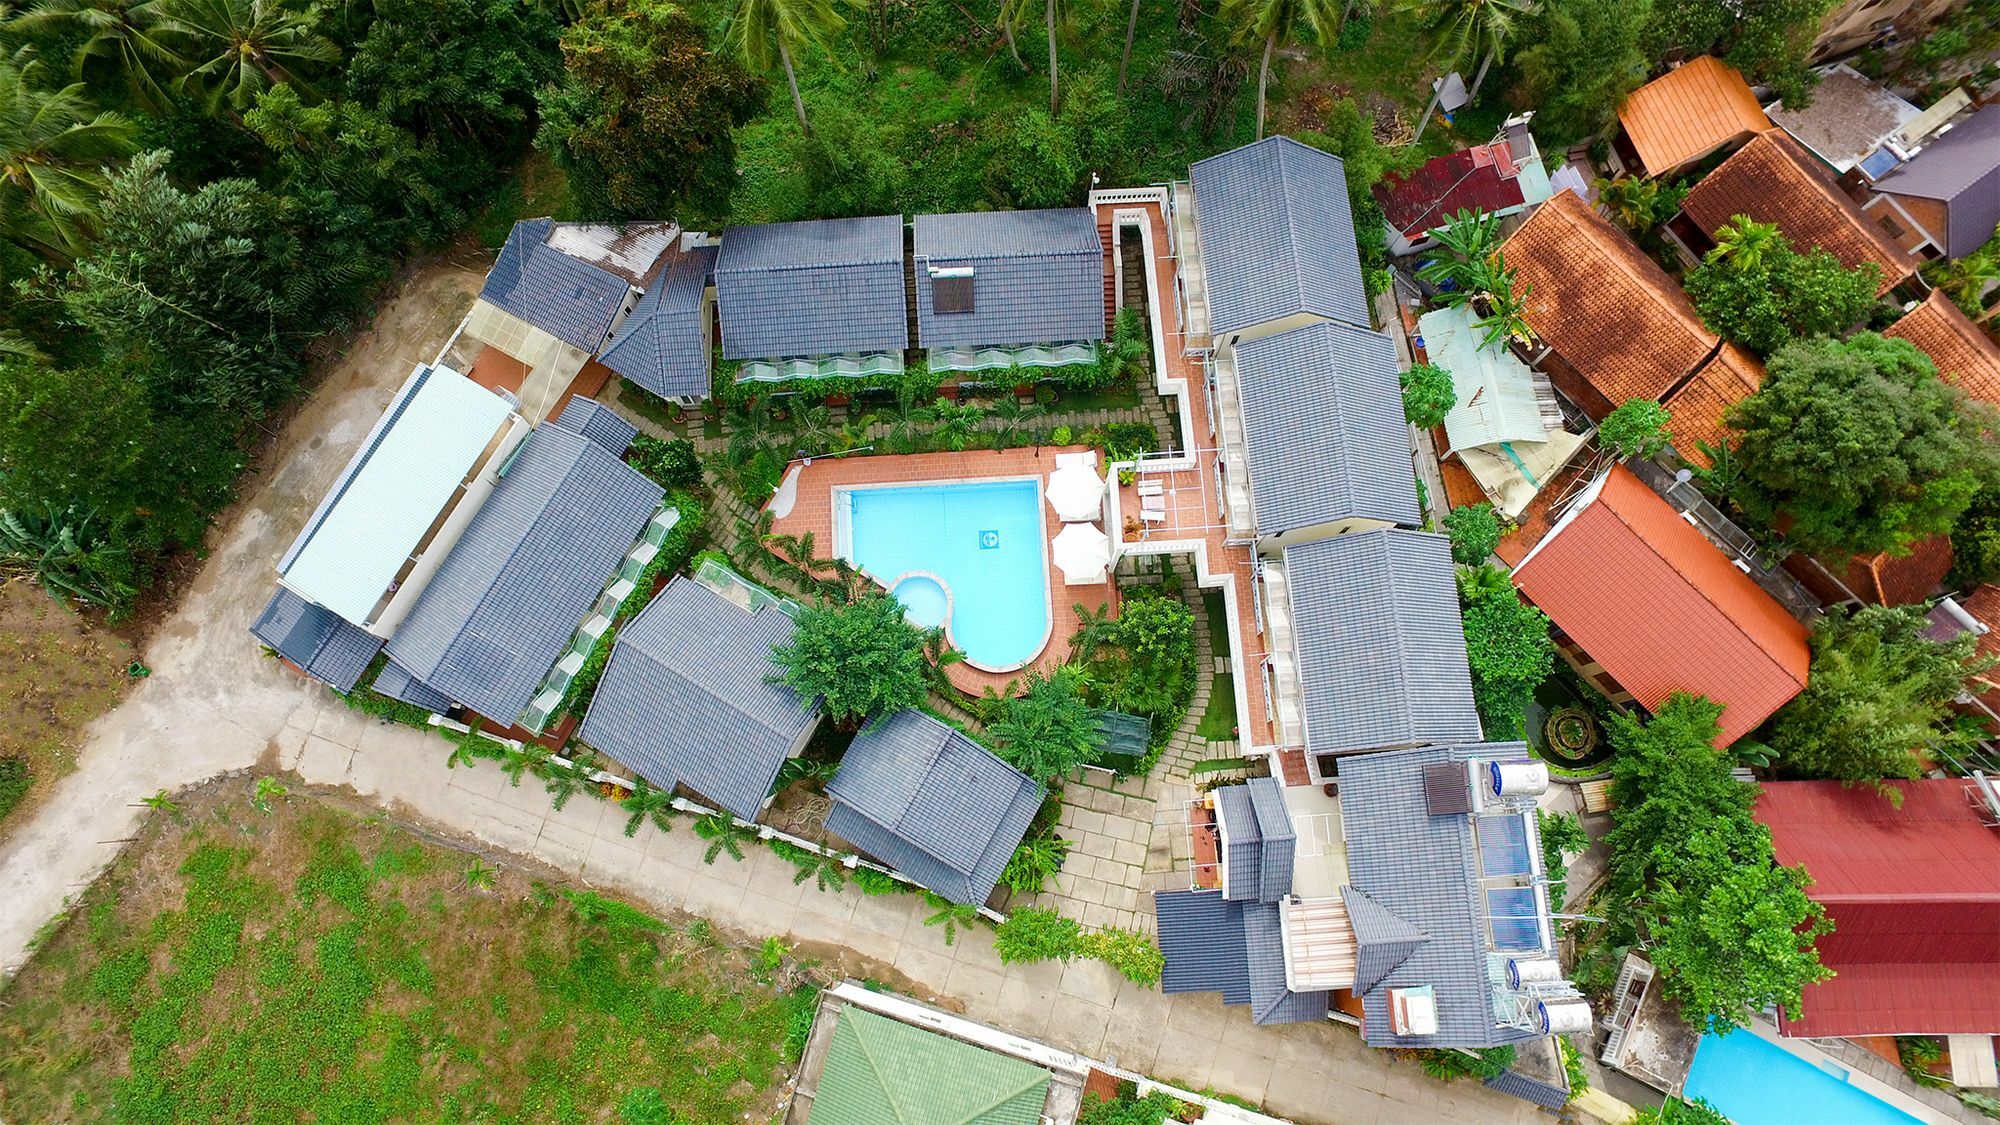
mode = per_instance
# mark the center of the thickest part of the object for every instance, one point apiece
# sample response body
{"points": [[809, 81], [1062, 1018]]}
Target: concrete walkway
{"points": [[215, 704]]}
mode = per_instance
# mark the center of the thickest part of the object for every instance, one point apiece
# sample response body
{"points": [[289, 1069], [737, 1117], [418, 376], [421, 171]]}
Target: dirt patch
{"points": [[58, 671]]}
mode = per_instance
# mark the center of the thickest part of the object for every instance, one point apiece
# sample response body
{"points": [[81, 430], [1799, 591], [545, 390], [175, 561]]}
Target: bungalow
{"points": [[813, 298], [690, 698], [1645, 606], [1945, 201], [1774, 180], [552, 301], [1684, 116], [1504, 177], [667, 344], [998, 289], [1913, 890], [1462, 957], [930, 802], [474, 551]]}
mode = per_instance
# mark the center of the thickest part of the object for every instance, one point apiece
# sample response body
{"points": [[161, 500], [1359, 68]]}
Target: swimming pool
{"points": [[984, 541], [1756, 1082]]}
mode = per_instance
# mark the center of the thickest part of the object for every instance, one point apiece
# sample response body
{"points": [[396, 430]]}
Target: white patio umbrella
{"points": [[1076, 492], [1082, 551]]}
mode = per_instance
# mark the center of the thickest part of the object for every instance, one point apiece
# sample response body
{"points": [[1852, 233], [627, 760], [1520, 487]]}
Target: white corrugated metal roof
{"points": [[396, 485], [1496, 392]]}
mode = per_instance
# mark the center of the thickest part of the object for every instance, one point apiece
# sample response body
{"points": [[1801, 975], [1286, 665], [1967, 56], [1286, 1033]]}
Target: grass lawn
{"points": [[1218, 720], [309, 962], [57, 672]]}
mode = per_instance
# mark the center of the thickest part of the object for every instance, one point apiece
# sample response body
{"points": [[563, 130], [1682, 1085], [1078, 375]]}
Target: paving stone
{"points": [[1092, 844], [1129, 853]]}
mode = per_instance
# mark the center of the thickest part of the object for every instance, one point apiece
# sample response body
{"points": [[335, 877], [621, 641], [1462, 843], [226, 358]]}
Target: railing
{"points": [[984, 359], [1114, 196], [846, 366]]}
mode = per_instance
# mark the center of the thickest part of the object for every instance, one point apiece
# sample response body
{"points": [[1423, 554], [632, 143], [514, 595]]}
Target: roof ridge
{"points": [[1850, 214], [1682, 574], [1402, 663], [1616, 246], [863, 1044]]}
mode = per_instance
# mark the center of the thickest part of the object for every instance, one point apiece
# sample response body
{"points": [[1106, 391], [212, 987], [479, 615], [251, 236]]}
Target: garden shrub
{"points": [[1034, 934], [1133, 954], [1128, 1108], [1448, 1064], [1474, 532], [1034, 863], [671, 464], [1638, 428], [14, 780], [1428, 395], [875, 882]]}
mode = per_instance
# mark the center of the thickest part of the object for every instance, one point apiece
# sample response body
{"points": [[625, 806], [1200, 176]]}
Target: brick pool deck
{"points": [[811, 488]]}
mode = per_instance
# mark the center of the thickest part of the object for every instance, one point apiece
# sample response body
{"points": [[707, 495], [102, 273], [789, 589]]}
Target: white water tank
{"points": [[1562, 1017], [1518, 779], [1534, 970]]}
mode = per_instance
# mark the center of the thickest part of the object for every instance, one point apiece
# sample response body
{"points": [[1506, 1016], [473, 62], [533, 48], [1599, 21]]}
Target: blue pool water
{"points": [[1755, 1082], [983, 539], [924, 601]]}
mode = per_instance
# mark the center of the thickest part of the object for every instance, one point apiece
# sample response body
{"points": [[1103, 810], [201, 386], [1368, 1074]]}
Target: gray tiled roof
{"points": [[1422, 869], [827, 287], [919, 795], [597, 422], [1243, 847], [1544, 1093], [688, 698], [523, 576], [1381, 646], [569, 299], [1262, 841], [326, 647], [396, 683], [1962, 168], [1382, 940], [1202, 939], [1038, 277], [1323, 420], [1277, 237], [663, 346], [1264, 946]]}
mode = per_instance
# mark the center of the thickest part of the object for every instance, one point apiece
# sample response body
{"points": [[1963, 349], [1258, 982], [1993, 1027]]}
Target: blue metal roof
{"points": [[689, 698], [1277, 236], [663, 346], [1037, 277], [826, 287], [1323, 422], [1202, 937], [566, 297], [1381, 646], [526, 572], [326, 647], [597, 422], [932, 803]]}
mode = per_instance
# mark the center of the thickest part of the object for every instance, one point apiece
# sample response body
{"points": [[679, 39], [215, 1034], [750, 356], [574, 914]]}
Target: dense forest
{"points": [[192, 192]]}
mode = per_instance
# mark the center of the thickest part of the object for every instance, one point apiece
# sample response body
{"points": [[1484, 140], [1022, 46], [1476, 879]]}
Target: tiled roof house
{"points": [[1500, 179], [1963, 352], [1647, 606], [998, 287], [1945, 201], [1692, 111], [665, 345], [879, 1070], [1914, 895], [811, 290], [932, 803], [1850, 117], [688, 698]]}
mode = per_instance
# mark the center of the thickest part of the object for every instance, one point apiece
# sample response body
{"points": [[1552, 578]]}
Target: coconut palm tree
{"points": [[1280, 21], [1013, 16], [135, 33], [758, 28], [1744, 242], [1465, 29], [1965, 279], [54, 151], [242, 48], [1470, 241], [1125, 60]]}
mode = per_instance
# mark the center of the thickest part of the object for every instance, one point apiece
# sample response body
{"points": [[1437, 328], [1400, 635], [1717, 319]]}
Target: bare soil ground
{"points": [[57, 672]]}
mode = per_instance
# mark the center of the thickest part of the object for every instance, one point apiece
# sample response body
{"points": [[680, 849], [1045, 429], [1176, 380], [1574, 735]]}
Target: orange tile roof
{"points": [[1887, 579], [1774, 180], [1701, 407], [1610, 311], [1964, 353], [1984, 606], [1663, 610], [1689, 112]]}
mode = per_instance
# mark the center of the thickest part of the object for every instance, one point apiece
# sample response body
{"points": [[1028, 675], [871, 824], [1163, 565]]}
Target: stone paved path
{"points": [[214, 705]]}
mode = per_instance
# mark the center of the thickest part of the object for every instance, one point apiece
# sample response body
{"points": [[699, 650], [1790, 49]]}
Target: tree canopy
{"points": [[1507, 646], [1578, 61], [1428, 395], [863, 659], [1049, 729], [1755, 289], [1859, 447], [1637, 428], [1879, 692], [1770, 41], [1474, 532], [642, 119], [1693, 874]]}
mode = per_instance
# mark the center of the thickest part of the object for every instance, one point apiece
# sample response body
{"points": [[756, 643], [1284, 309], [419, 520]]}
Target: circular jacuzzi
{"points": [[926, 600]]}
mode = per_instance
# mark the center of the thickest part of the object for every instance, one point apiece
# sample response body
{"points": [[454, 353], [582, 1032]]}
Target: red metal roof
{"points": [[1662, 609], [1477, 179], [1914, 894]]}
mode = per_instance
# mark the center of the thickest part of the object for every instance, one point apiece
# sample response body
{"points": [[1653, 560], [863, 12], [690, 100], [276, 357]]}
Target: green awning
{"points": [[1122, 735]]}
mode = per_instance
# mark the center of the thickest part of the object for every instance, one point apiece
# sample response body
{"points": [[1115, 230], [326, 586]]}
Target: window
{"points": [[951, 292]]}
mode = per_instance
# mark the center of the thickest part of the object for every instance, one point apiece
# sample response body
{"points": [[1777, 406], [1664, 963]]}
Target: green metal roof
{"points": [[880, 1071], [1496, 391]]}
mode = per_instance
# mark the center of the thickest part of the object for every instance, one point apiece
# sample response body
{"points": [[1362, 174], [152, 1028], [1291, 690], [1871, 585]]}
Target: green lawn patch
{"points": [[1218, 720], [307, 964]]}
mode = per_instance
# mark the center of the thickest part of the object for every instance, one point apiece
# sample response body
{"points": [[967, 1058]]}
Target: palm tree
{"points": [[1744, 242], [1275, 21], [1465, 29], [1050, 18], [1010, 414], [1014, 14], [137, 33], [54, 150], [1125, 60], [954, 423], [1965, 279], [245, 47], [757, 26]]}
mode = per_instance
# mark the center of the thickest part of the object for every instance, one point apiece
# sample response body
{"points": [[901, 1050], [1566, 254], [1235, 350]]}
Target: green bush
{"points": [[1451, 1064], [1061, 435], [1034, 934], [1474, 532], [15, 778], [671, 464], [1638, 428], [1428, 395], [1034, 863], [1133, 954], [1128, 1108], [875, 882]]}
